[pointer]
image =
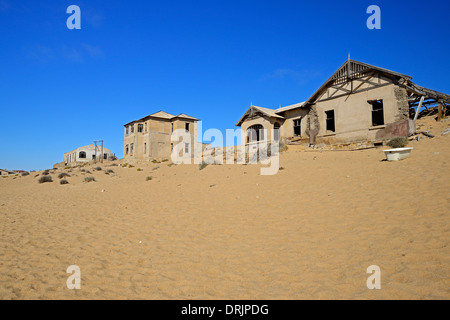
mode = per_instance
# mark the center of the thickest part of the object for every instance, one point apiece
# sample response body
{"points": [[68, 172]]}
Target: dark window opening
{"points": [[105, 156], [146, 127], [256, 133], [172, 127], [93, 157], [131, 148], [377, 113], [297, 128], [378, 144], [330, 122], [126, 149], [186, 147], [187, 126], [140, 128], [127, 130], [82, 155], [145, 147]]}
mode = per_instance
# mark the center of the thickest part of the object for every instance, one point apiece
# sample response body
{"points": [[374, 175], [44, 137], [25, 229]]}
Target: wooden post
{"points": [[440, 111], [418, 108]]}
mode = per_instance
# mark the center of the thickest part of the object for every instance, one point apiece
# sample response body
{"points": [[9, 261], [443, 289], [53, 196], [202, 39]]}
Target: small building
{"points": [[86, 154], [150, 137], [358, 103], [4, 172]]}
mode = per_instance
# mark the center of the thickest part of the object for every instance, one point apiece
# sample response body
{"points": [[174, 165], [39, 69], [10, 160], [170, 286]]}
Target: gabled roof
{"points": [[253, 109], [291, 107], [353, 68], [185, 116], [163, 115]]}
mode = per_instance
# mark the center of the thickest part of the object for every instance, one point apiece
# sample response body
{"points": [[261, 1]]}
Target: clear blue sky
{"points": [[61, 89]]}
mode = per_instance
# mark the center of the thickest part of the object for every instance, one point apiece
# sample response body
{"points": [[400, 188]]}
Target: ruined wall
{"points": [[313, 123], [401, 98]]}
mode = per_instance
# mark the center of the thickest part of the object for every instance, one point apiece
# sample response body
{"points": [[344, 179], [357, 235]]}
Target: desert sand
{"points": [[226, 232]]}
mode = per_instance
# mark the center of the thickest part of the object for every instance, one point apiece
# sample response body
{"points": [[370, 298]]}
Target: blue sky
{"points": [[61, 89]]}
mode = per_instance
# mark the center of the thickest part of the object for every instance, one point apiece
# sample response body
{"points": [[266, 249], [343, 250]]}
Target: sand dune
{"points": [[309, 232]]}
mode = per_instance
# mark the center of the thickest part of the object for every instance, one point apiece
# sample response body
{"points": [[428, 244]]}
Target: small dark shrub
{"points": [[398, 142], [89, 179], [25, 174], [98, 169], [148, 178], [63, 175], [45, 179], [63, 181], [283, 146]]}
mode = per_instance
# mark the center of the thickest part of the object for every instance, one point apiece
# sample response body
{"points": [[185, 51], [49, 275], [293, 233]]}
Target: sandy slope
{"points": [[309, 232]]}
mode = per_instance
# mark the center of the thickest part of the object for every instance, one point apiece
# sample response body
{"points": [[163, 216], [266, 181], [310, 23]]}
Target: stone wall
{"points": [[402, 103]]}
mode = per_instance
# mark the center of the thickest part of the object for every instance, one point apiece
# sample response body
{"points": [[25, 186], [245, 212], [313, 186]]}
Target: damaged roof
{"points": [[164, 115]]}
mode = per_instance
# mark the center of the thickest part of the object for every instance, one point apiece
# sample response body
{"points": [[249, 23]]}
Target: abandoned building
{"points": [[149, 138], [86, 154], [359, 102], [4, 172]]}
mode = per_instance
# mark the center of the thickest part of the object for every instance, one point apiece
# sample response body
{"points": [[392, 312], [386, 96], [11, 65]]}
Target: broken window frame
{"points": [[298, 127], [330, 121], [377, 112]]}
